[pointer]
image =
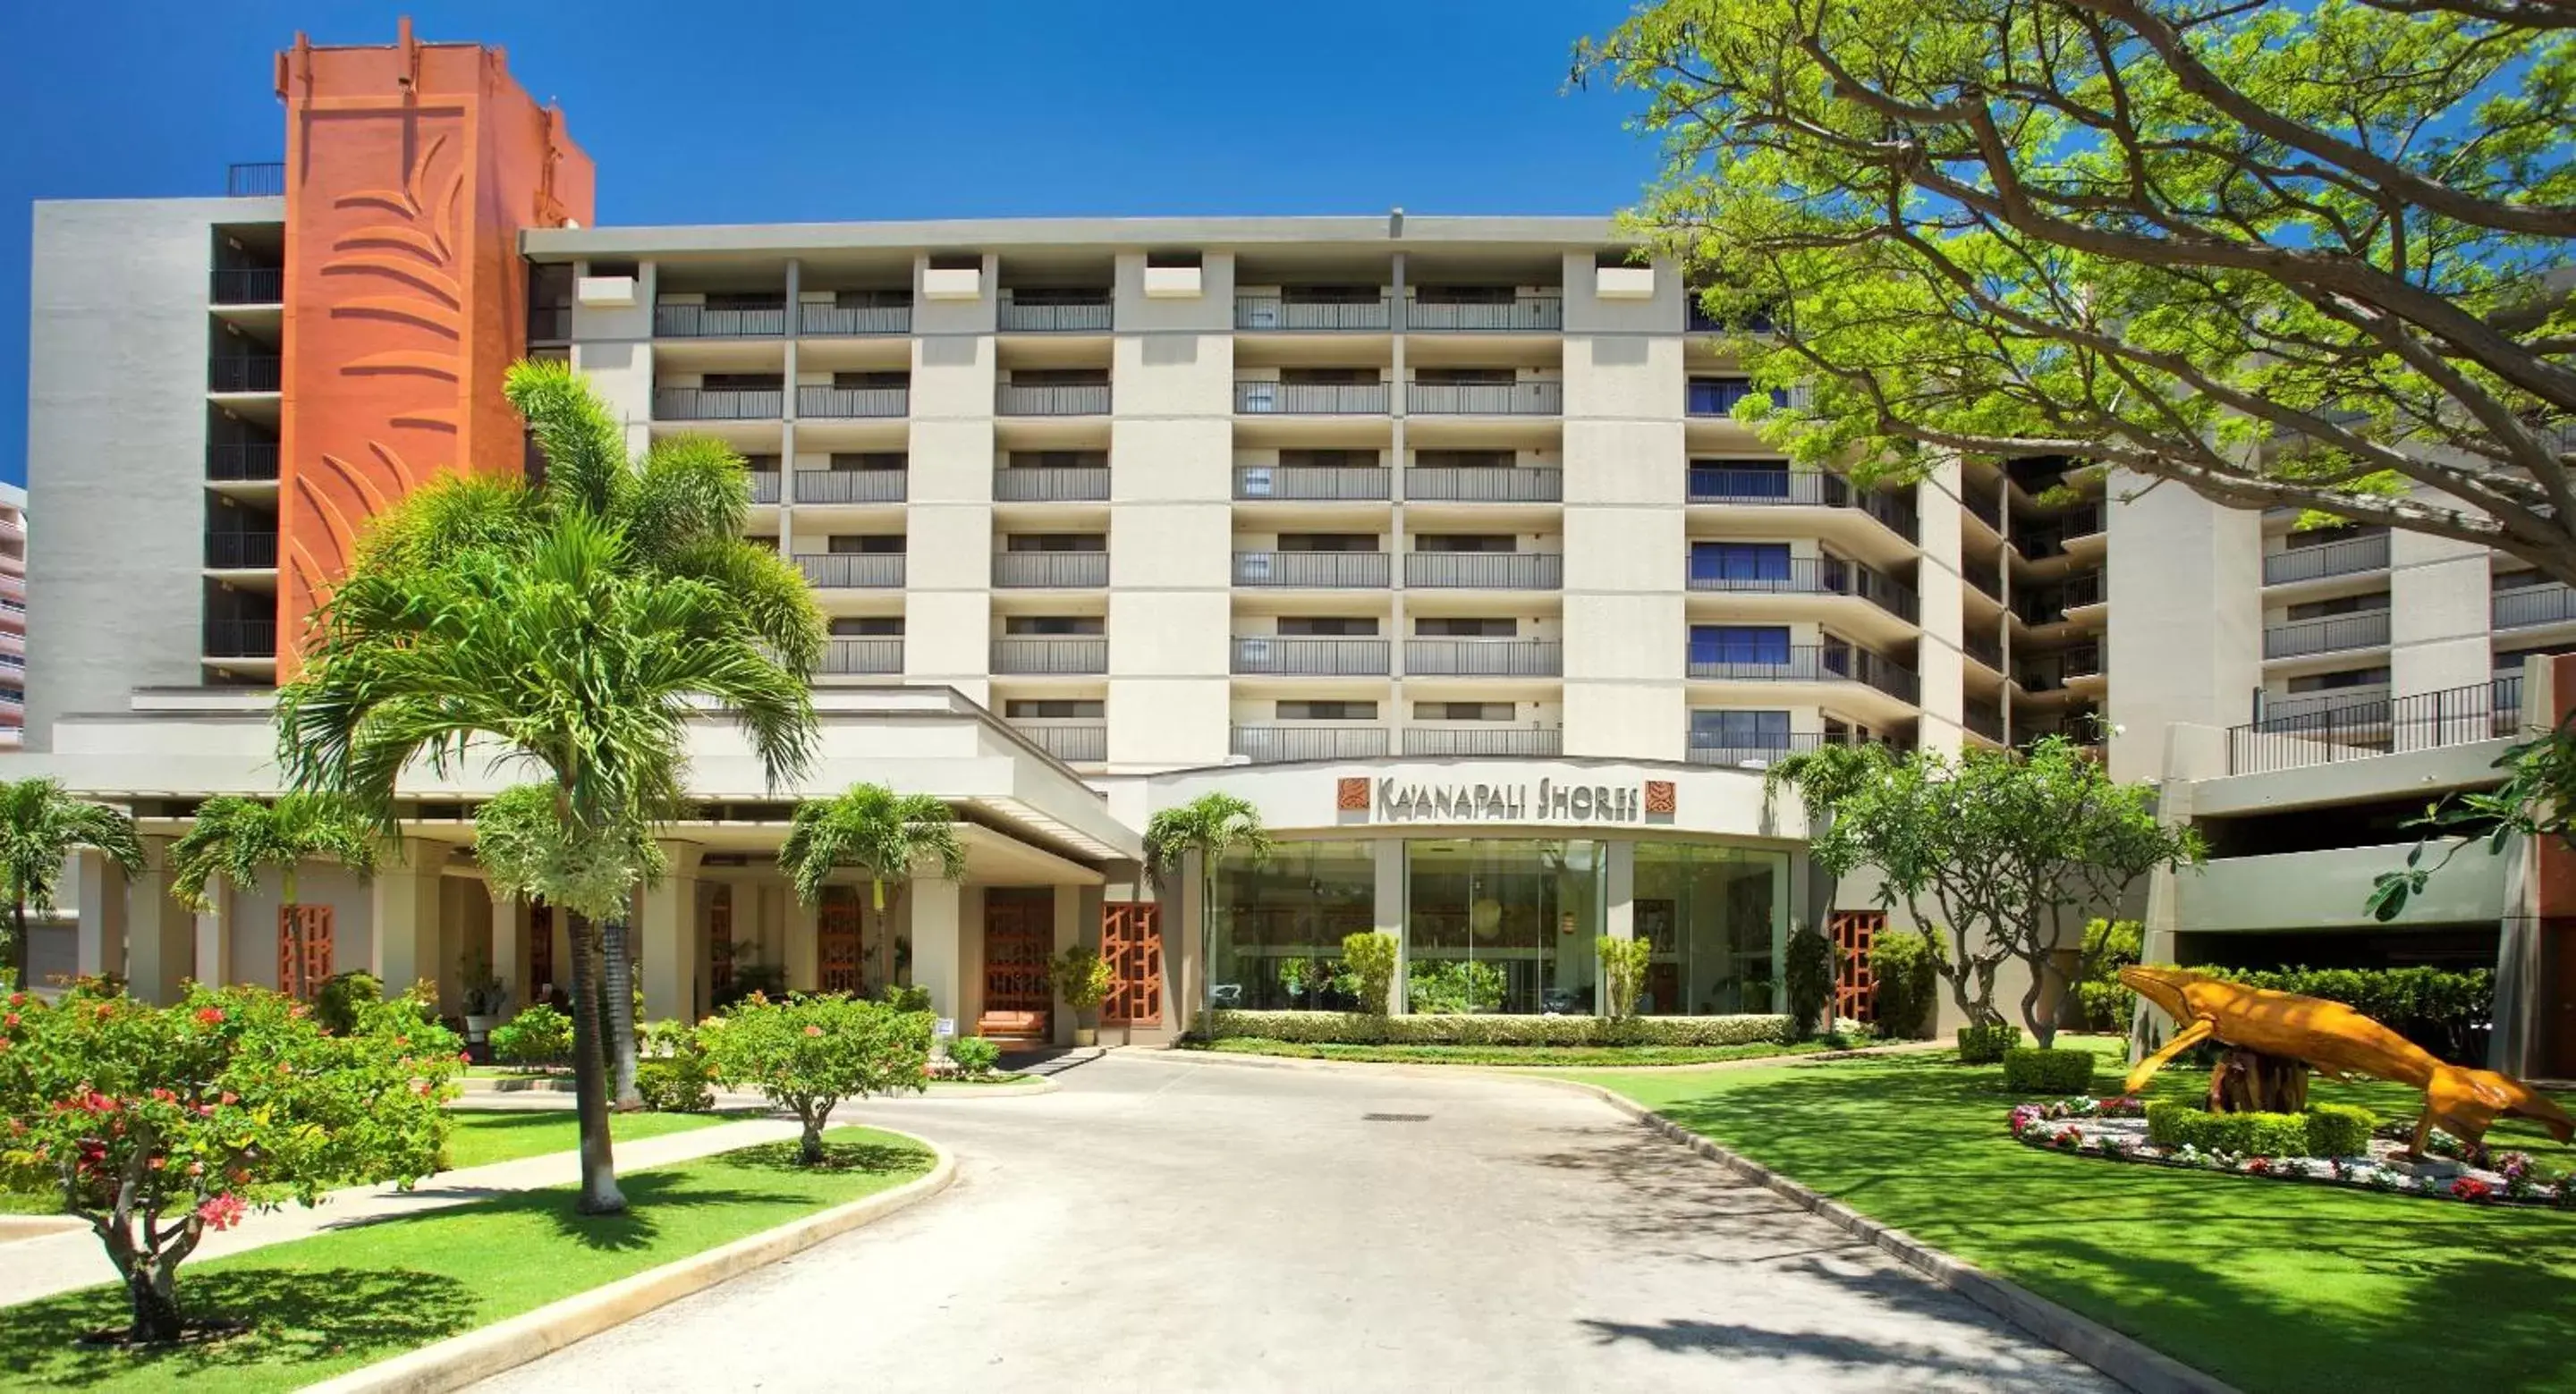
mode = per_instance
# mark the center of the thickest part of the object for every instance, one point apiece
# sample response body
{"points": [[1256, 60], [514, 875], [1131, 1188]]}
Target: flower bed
{"points": [[1353, 1028], [2116, 1129]]}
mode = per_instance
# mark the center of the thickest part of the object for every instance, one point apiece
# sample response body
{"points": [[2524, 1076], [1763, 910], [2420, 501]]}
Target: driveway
{"points": [[1163, 1224]]}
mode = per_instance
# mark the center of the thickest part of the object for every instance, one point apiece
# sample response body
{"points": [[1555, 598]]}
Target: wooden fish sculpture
{"points": [[2336, 1040]]}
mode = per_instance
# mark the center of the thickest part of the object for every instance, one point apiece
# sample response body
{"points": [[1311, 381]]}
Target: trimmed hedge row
{"points": [[2439, 1010], [2031, 1070], [1494, 1029], [2325, 1130], [1984, 1045]]}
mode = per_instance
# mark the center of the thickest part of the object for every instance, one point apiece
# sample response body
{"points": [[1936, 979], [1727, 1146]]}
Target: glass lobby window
{"points": [[1717, 917], [1278, 925], [1502, 925]]}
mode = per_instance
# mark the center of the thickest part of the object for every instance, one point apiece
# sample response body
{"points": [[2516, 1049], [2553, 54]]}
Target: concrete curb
{"points": [[1175, 1054], [2122, 1358], [481, 1354], [513, 1084], [1021, 1088]]}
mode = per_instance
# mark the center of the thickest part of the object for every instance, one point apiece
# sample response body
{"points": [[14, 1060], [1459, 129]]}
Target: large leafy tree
{"points": [[40, 827], [573, 629], [880, 834], [2279, 252], [244, 841]]}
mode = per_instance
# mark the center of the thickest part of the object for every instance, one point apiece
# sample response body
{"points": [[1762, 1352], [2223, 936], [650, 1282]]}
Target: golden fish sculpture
{"points": [[2335, 1040]]}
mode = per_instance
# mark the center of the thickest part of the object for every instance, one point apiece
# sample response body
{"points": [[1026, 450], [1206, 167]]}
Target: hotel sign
{"points": [[1395, 799]]}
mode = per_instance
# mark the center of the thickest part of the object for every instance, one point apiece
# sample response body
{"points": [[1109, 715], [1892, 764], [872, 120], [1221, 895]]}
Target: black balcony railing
{"points": [[1054, 570], [766, 486], [241, 638], [852, 403], [1986, 721], [242, 460], [1484, 484], [1536, 397], [1316, 570], [2077, 592], [872, 570], [1269, 312], [1073, 742], [689, 321], [854, 319], [244, 372], [1807, 663], [2361, 630], [1718, 747], [1068, 317], [1312, 483], [1986, 649], [1516, 571], [866, 654], [718, 403], [1482, 739], [1802, 488], [1310, 655], [1267, 397], [249, 285], [850, 486], [2484, 711], [1268, 745], [1051, 484], [2353, 554], [262, 179], [1051, 653], [1531, 312], [2080, 661], [1484, 658], [1813, 576], [241, 551], [1052, 399], [2537, 605], [1718, 396]]}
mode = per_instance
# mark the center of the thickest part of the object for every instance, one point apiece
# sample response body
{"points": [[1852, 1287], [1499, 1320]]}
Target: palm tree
{"points": [[1212, 825], [40, 827], [881, 833], [242, 840], [548, 645]]}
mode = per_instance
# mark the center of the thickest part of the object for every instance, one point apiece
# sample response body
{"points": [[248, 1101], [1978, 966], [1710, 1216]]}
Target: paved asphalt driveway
{"points": [[1161, 1224]]}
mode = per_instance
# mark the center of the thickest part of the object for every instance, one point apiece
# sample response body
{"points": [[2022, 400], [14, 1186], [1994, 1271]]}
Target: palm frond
{"points": [[691, 490], [41, 824], [776, 600], [1214, 825], [584, 445], [873, 830], [242, 840]]}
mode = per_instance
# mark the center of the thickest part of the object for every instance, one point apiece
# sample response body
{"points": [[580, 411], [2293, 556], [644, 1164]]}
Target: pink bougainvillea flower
{"points": [[227, 1097], [196, 1168], [221, 1212], [10, 1020]]}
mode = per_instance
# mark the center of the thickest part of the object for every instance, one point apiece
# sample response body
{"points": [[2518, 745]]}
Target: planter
{"points": [[479, 1028], [1086, 1035]]}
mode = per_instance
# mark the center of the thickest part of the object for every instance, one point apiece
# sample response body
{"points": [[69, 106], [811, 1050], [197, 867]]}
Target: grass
{"points": [[1557, 1056], [2265, 1284], [480, 1138], [332, 1302]]}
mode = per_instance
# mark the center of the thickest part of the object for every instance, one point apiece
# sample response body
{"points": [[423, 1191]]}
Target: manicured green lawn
{"points": [[2268, 1285], [1559, 1056], [336, 1301], [480, 1138], [29, 1203]]}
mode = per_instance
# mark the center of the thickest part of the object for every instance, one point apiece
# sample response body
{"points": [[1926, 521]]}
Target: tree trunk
{"points": [[617, 1023], [809, 1146], [20, 955], [2249, 1081], [2043, 1026], [152, 1288], [599, 1193]]}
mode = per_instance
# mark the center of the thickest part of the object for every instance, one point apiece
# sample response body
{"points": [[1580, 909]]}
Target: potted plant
{"points": [[1082, 979], [484, 995]]}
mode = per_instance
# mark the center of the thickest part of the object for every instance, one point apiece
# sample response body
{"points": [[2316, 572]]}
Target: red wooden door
{"points": [[541, 949], [303, 948], [1853, 931], [1019, 938], [720, 940], [837, 935], [1131, 938]]}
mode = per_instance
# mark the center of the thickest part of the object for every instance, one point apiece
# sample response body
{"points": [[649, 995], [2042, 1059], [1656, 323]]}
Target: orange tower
{"points": [[410, 170]]}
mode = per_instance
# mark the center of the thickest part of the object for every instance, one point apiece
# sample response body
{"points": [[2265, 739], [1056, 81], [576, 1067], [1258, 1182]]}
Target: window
{"points": [[2510, 660], [1329, 377], [1056, 542], [872, 299], [1330, 626], [1463, 459], [1330, 295], [1462, 711], [2340, 605], [743, 382], [865, 544], [1739, 643], [1464, 295], [1466, 629], [610, 268], [2332, 682], [867, 626], [1740, 730], [1059, 295], [1056, 708], [1712, 396], [1315, 458], [1462, 542], [1058, 459], [760, 464], [847, 460], [1466, 377], [1749, 479], [1059, 377], [956, 261], [746, 300], [1327, 542], [1176, 260], [2516, 580], [1739, 561], [1052, 624], [1327, 711], [897, 378]]}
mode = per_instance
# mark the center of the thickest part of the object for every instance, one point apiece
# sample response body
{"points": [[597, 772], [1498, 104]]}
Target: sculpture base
{"points": [[2249, 1081]]}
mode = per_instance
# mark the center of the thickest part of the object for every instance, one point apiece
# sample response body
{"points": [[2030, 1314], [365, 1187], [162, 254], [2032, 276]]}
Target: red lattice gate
{"points": [[837, 939], [1131, 938], [541, 949], [1019, 938], [303, 948], [720, 941], [1855, 986]]}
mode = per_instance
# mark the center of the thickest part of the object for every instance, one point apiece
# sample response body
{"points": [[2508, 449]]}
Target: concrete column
{"points": [[1390, 912], [1068, 932], [937, 948], [101, 946], [510, 948], [159, 931], [215, 937], [669, 925], [404, 900], [702, 950], [1618, 905], [804, 950]]}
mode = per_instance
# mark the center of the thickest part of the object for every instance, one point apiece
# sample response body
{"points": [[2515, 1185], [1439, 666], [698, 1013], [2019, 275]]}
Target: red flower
{"points": [[210, 1016], [813, 1030], [2260, 1166], [10, 1020], [420, 1087], [2470, 1188], [104, 1011], [17, 999], [227, 1097], [221, 1212], [158, 1163]]}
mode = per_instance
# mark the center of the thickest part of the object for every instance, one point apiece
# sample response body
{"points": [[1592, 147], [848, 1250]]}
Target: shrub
{"points": [[1369, 956], [1495, 1029], [974, 1055], [157, 1124], [2328, 1130], [342, 996], [2339, 1130], [2441, 1011], [674, 1075], [2032, 1070], [1984, 1045], [1809, 971], [538, 1035], [1623, 972], [1082, 978], [1907, 966], [808, 1055], [1454, 987], [906, 998]]}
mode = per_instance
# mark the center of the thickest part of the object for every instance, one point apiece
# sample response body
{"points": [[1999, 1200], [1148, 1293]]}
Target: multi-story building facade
{"points": [[13, 616]]}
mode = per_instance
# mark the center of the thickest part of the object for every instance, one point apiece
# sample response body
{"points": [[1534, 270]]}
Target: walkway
{"points": [[1166, 1224]]}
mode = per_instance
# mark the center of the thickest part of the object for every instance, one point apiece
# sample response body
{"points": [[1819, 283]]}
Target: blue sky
{"points": [[759, 111]]}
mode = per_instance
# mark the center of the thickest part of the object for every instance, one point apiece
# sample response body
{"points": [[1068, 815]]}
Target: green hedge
{"points": [[1360, 1028], [2327, 1130], [2031, 1070], [1984, 1045], [2435, 1009], [1907, 966]]}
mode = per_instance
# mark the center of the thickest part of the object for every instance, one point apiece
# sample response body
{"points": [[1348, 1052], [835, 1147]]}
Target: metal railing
{"points": [[1312, 483], [718, 403], [244, 372], [1268, 312], [241, 551], [1073, 742], [1268, 397], [1091, 317], [818, 400], [1051, 399], [1986, 649], [252, 459], [1516, 571], [2048, 536], [1484, 658], [259, 179], [1817, 576], [766, 486], [2521, 609], [1811, 663], [241, 638], [863, 655], [872, 570], [2077, 592], [1309, 655], [1719, 748], [1051, 484], [1272, 745], [1803, 488], [1536, 397], [684, 321], [1050, 569], [1051, 653], [851, 486], [1319, 570], [1718, 396], [1484, 484], [854, 319], [2484, 711], [1985, 721], [249, 285], [2360, 630], [2080, 661], [1472, 739], [2331, 559], [1527, 312]]}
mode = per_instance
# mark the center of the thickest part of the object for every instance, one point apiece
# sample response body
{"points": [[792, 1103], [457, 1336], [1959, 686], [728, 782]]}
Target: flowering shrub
{"points": [[808, 1054], [538, 1035], [157, 1124], [2470, 1188], [1495, 1029]]}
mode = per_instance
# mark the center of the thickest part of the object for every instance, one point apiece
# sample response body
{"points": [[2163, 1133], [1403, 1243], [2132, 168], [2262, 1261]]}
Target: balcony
{"points": [[1073, 742], [1276, 745], [1718, 396], [1528, 312], [870, 654], [2538, 605], [1810, 663], [244, 372], [2078, 592], [2345, 558], [1089, 316], [2366, 629], [681, 321], [852, 570], [1817, 576], [1986, 649], [1051, 654], [1272, 312], [1508, 571], [241, 551], [2079, 661], [2483, 711], [1484, 484], [1312, 483], [852, 403], [766, 485], [1729, 748], [241, 638], [822, 320], [1802, 489], [249, 285], [1051, 484], [851, 486], [257, 179], [549, 324], [1263, 397], [1985, 720], [242, 460], [1050, 570], [1051, 399], [719, 403], [1484, 658], [1313, 570], [1471, 739], [1302, 655], [1536, 397]]}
